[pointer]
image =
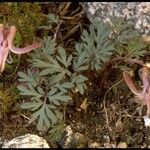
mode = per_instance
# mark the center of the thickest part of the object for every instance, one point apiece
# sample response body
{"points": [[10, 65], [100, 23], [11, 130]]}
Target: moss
{"points": [[8, 96]]}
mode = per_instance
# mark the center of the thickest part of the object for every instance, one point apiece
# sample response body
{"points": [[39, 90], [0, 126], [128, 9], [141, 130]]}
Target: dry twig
{"points": [[104, 103]]}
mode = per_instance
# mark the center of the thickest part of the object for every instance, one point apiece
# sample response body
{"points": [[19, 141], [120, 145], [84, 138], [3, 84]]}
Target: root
{"points": [[104, 103]]}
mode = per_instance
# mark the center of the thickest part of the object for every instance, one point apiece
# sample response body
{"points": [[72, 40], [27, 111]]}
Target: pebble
{"points": [[94, 145], [122, 145], [146, 121]]}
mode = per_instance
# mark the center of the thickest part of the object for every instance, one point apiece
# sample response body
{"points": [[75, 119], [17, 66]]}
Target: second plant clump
{"points": [[55, 75]]}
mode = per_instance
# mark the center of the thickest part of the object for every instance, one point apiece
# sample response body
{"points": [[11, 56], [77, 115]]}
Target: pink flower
{"points": [[142, 94], [7, 35]]}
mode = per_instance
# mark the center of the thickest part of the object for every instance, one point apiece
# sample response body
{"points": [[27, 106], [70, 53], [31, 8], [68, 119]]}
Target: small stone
{"points": [[121, 97], [69, 136], [95, 145], [146, 121], [109, 145], [82, 140], [107, 138], [122, 145], [1, 141], [73, 139], [78, 109]]}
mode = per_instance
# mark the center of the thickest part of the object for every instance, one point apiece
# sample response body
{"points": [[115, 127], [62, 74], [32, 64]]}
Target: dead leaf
{"points": [[84, 104]]}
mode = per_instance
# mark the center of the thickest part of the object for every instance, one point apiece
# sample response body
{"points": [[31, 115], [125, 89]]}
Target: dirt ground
{"points": [[108, 119], [120, 121]]}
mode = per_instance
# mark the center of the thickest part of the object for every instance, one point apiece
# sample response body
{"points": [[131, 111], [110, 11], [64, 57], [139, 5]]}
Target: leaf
{"points": [[40, 90], [28, 91], [80, 88], [40, 124], [51, 115], [69, 59], [28, 105], [52, 91], [97, 47], [53, 18], [29, 77], [49, 46], [59, 97], [79, 48], [62, 58], [64, 87], [56, 132], [40, 63], [64, 98], [56, 102], [67, 85], [59, 77], [81, 63], [34, 116], [136, 47], [81, 79], [62, 54], [46, 71], [45, 116]]}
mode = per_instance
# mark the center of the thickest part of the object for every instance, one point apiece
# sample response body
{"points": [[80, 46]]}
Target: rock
{"points": [[94, 145], [107, 139], [82, 140], [134, 12], [1, 142], [122, 145], [67, 137], [146, 121], [26, 141], [73, 139], [109, 145]]}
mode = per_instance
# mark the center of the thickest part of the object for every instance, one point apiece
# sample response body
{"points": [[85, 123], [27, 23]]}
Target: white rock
{"points": [[135, 12], [69, 135], [26, 141], [146, 121]]}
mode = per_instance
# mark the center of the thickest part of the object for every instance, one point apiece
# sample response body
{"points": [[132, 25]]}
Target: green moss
{"points": [[8, 96], [27, 17]]}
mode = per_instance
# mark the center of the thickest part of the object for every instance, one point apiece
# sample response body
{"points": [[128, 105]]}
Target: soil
{"points": [[125, 121], [119, 120]]}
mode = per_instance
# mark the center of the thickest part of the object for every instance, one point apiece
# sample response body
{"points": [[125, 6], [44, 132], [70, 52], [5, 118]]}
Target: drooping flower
{"points": [[142, 94], [7, 35]]}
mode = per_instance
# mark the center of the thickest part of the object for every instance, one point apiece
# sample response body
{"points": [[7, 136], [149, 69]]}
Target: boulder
{"points": [[137, 13]]}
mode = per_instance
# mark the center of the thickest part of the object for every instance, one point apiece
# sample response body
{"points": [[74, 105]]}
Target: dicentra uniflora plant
{"points": [[55, 75]]}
